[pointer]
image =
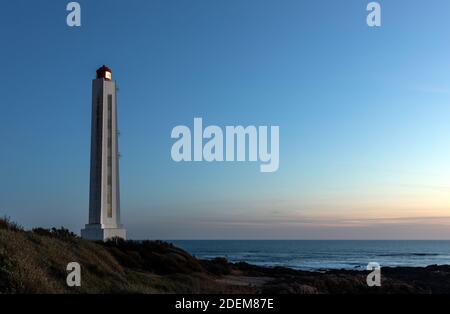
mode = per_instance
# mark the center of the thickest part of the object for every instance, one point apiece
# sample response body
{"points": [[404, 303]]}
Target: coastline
{"points": [[322, 255], [35, 262]]}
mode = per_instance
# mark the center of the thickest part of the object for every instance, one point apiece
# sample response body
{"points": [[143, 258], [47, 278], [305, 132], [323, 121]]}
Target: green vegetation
{"points": [[35, 262]]}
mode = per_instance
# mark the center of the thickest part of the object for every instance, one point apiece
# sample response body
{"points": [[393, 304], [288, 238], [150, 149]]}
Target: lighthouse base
{"points": [[96, 232]]}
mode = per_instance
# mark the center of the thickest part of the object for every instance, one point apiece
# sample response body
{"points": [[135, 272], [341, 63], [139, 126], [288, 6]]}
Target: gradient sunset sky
{"points": [[364, 115]]}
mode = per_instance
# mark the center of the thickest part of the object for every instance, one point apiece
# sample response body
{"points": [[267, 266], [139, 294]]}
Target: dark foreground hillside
{"points": [[35, 262]]}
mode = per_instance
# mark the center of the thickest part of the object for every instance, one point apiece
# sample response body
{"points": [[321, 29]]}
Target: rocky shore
{"points": [[36, 261]]}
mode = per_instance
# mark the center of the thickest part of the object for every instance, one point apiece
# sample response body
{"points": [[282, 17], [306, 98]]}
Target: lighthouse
{"points": [[104, 195]]}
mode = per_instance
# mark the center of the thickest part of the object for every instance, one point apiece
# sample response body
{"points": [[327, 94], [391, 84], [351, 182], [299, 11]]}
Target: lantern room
{"points": [[104, 73]]}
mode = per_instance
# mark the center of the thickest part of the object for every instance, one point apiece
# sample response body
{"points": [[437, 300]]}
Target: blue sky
{"points": [[363, 115]]}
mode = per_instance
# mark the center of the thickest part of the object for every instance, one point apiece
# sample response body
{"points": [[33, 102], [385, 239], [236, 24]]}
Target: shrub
{"points": [[61, 233], [218, 266], [7, 224], [154, 256], [42, 232]]}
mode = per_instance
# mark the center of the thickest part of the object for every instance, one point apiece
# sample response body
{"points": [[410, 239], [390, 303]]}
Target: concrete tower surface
{"points": [[104, 196]]}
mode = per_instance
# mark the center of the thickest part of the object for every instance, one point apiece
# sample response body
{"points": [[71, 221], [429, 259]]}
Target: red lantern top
{"points": [[104, 73]]}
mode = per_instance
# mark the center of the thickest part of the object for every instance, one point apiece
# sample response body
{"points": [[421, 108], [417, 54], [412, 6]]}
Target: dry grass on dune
{"points": [[35, 262]]}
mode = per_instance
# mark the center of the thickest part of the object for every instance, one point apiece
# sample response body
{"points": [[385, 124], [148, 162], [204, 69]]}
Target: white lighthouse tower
{"points": [[104, 196]]}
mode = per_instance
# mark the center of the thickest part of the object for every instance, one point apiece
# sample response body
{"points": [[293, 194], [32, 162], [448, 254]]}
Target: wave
{"points": [[407, 254]]}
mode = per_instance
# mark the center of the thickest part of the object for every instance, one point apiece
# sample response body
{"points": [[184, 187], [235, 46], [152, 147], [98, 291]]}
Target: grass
{"points": [[35, 262]]}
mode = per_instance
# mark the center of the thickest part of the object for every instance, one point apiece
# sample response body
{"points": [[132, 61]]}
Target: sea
{"points": [[323, 255]]}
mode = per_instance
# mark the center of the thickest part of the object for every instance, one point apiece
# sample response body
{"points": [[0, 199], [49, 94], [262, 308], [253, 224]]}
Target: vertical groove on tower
{"points": [[109, 165]]}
